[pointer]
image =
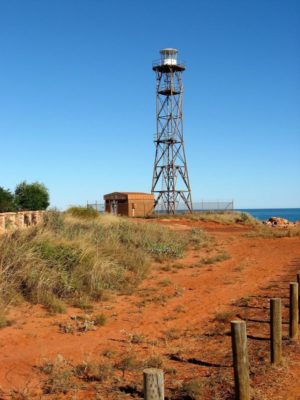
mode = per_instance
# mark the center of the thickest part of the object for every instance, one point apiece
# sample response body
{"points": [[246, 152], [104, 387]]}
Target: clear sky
{"points": [[77, 96]]}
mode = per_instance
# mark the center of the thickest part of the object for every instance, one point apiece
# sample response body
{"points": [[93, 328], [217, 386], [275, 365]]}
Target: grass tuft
{"points": [[222, 256], [225, 316], [59, 380], [100, 320], [154, 362], [94, 371], [192, 389], [128, 363]]}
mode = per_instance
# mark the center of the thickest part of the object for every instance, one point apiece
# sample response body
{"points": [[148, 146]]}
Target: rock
{"points": [[278, 221]]}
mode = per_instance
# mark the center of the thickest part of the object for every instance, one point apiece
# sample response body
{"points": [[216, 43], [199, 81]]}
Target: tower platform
{"points": [[168, 68]]}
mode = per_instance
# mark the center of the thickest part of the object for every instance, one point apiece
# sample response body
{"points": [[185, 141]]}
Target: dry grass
{"points": [[77, 260], [223, 217], [94, 371], [225, 316], [129, 363], [83, 212], [165, 282], [222, 256], [5, 322], [63, 377], [192, 389], [265, 231], [154, 361], [100, 319], [173, 334], [59, 376]]}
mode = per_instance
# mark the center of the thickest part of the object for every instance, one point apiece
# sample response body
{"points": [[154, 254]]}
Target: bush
{"points": [[6, 200], [32, 197], [244, 218], [83, 212]]}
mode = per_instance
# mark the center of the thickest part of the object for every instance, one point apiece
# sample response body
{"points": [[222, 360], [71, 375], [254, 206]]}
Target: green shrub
{"points": [[83, 212]]}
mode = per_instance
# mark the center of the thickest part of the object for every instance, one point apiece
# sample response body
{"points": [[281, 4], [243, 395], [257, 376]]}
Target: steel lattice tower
{"points": [[170, 182]]}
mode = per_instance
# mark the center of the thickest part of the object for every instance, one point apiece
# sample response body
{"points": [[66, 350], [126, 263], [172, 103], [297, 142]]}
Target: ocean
{"points": [[292, 214]]}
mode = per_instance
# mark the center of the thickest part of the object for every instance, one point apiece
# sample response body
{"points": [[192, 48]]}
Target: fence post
{"points": [[294, 310], [240, 360], [276, 330], [153, 384]]}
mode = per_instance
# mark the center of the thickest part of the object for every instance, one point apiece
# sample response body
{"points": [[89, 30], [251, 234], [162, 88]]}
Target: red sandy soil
{"points": [[180, 315]]}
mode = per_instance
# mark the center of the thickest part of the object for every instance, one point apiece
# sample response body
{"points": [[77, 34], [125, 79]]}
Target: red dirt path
{"points": [[176, 314]]}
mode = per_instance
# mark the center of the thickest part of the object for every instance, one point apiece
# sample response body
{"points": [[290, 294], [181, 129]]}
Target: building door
{"points": [[114, 207]]}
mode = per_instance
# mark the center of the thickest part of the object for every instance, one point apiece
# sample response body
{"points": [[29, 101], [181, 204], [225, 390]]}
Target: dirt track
{"points": [[180, 314]]}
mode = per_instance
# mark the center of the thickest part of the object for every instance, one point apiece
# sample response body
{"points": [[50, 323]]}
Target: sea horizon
{"points": [[291, 214]]}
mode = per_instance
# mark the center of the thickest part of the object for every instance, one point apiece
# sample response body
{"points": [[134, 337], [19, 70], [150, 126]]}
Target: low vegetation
{"points": [[76, 257], [83, 212], [221, 256], [222, 217], [192, 389], [237, 217], [265, 231], [225, 316]]}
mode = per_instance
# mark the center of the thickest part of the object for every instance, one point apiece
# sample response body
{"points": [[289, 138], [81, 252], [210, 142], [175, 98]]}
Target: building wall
{"points": [[132, 208], [21, 219], [140, 208], [122, 208]]}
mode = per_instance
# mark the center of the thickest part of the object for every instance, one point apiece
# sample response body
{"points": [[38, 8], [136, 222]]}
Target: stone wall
{"points": [[18, 220]]}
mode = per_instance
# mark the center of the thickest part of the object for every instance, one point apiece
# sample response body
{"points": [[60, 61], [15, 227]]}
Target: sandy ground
{"points": [[180, 317]]}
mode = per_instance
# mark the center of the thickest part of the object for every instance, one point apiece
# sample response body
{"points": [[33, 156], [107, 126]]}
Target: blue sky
{"points": [[77, 96]]}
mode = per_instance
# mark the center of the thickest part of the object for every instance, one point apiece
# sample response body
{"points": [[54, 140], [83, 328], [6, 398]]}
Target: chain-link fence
{"points": [[197, 206], [209, 206], [96, 206]]}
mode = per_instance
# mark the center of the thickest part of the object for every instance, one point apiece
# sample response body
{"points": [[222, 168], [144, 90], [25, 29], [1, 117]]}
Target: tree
{"points": [[6, 200], [31, 196]]}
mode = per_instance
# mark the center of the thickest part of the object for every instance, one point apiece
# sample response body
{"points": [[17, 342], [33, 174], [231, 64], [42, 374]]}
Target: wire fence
{"points": [[197, 206], [209, 206], [96, 206]]}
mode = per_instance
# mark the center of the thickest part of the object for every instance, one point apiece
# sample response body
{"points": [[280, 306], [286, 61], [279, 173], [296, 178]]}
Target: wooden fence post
{"points": [[276, 330], [294, 310], [240, 360], [153, 384]]}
